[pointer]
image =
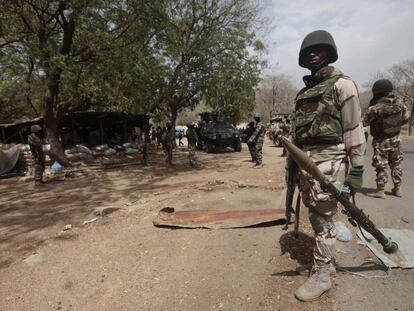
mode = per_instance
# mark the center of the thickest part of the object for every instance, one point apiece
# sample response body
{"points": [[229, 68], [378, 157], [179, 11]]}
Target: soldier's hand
{"points": [[354, 178]]}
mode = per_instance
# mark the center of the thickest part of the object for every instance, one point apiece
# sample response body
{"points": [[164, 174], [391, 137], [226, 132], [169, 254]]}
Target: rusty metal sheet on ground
{"points": [[217, 219]]}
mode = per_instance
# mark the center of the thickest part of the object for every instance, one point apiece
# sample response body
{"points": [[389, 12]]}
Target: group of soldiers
{"points": [[168, 139], [328, 126]]}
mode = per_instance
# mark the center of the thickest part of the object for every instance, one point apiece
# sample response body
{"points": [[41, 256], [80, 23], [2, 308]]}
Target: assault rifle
{"points": [[306, 163], [291, 182]]}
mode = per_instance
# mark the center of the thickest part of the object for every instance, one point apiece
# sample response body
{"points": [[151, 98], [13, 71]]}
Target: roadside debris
{"points": [[216, 219], [343, 234], [89, 221], [36, 258], [67, 227]]}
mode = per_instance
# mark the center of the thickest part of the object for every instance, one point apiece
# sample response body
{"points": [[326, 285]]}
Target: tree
{"points": [[199, 36], [68, 44], [276, 94], [402, 76]]}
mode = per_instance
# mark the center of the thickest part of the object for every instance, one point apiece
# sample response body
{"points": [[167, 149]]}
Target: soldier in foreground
{"points": [[328, 127], [36, 147], [192, 139], [257, 141], [385, 116], [168, 136]]}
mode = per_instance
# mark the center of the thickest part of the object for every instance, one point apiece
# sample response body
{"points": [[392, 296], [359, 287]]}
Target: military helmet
{"points": [[35, 128], [318, 37], [257, 115], [382, 86]]}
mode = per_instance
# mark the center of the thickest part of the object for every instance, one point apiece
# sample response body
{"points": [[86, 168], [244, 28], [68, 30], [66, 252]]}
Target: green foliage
{"points": [[157, 56]]}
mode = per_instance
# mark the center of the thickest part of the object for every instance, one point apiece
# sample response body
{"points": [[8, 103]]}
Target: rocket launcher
{"points": [[306, 163]]}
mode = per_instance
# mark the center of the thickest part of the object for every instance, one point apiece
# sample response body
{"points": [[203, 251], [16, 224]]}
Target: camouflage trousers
{"points": [[192, 154], [252, 151], [168, 149], [39, 168], [322, 205], [145, 154], [258, 154], [387, 152]]}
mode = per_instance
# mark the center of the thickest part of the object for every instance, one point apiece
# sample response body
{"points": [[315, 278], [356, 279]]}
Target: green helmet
{"points": [[383, 86], [318, 37], [257, 115]]}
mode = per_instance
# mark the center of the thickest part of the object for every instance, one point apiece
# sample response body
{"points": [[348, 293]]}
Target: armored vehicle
{"points": [[216, 134]]}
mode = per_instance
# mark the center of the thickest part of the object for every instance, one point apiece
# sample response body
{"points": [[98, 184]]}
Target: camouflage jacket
{"points": [[328, 112], [258, 134], [192, 136], [386, 117]]}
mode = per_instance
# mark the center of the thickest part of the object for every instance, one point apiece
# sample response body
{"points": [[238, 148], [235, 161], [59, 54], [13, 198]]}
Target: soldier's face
{"points": [[316, 57]]}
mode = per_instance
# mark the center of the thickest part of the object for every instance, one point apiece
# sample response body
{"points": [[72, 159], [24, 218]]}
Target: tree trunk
{"points": [[51, 121]]}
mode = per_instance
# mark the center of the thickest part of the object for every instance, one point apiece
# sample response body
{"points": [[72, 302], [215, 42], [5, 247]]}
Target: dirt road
{"points": [[122, 262]]}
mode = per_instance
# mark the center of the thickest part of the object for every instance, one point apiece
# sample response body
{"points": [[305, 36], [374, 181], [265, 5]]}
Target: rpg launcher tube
{"points": [[306, 163]]}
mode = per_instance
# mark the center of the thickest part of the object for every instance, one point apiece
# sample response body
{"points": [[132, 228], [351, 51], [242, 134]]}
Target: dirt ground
{"points": [[122, 262]]}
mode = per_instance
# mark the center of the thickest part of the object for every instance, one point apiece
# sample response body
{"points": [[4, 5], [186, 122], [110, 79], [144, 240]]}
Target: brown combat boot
{"points": [[318, 283], [379, 194], [397, 191]]}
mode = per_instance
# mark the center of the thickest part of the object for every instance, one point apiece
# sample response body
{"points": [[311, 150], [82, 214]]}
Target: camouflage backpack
{"points": [[391, 120], [317, 118]]}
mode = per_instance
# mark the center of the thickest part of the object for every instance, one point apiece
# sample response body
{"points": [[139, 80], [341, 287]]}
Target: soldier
{"points": [[168, 136], [192, 139], [146, 141], [257, 140], [385, 116], [249, 131], [36, 147], [327, 126]]}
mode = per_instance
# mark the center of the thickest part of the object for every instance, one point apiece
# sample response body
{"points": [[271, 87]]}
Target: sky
{"points": [[371, 35]]}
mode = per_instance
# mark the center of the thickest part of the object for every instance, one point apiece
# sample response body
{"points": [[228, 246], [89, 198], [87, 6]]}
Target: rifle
{"points": [[357, 214], [291, 182]]}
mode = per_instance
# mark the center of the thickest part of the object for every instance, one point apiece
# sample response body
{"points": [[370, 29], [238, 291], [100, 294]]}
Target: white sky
{"points": [[371, 35]]}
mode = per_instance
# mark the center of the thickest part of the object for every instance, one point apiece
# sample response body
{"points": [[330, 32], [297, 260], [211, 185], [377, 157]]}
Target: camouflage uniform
{"points": [[36, 147], [327, 125], [249, 132], [256, 140], [146, 142], [192, 139], [385, 118]]}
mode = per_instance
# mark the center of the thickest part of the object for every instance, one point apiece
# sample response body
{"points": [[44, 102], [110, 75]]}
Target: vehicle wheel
{"points": [[238, 147], [209, 148]]}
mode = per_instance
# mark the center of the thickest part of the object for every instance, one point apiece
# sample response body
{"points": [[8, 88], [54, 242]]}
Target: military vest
{"points": [[317, 118], [390, 121]]}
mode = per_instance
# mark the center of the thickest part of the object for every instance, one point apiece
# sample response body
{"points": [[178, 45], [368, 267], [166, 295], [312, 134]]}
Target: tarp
{"points": [[8, 159], [217, 219], [404, 258]]}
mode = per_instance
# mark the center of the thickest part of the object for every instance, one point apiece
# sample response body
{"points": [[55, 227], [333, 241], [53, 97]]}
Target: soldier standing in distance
{"points": [[146, 141], [36, 147], [192, 139], [385, 116], [249, 131], [167, 143], [257, 139], [327, 126]]}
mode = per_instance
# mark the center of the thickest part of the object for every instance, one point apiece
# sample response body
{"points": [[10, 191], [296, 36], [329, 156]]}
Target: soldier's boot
{"points": [[307, 269], [258, 165], [318, 283], [397, 191], [379, 193]]}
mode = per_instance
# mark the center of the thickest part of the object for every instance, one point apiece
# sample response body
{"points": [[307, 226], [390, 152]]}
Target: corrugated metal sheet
{"points": [[217, 219]]}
